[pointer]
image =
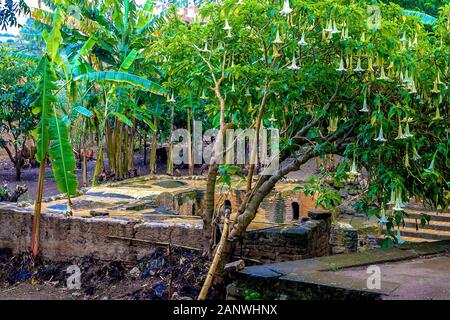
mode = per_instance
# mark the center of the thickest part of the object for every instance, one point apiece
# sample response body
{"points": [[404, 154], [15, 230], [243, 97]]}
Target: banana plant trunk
{"points": [[153, 147], [110, 146], [126, 143], [99, 164], [35, 231]]}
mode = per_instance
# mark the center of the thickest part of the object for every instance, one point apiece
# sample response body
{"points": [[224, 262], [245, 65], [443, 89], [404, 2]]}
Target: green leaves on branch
{"points": [[121, 77]]}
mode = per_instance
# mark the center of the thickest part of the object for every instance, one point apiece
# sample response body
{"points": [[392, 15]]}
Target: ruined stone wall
{"points": [[276, 207], [63, 238], [305, 240]]}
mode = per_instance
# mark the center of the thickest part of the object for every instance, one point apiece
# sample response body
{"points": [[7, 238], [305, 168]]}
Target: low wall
{"points": [[63, 238], [105, 238], [306, 240]]}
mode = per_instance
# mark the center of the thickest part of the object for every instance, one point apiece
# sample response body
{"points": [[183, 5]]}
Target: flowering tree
{"points": [[334, 81]]}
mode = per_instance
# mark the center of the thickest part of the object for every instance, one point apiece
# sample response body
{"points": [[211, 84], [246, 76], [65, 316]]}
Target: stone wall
{"points": [[276, 207], [305, 240], [63, 238], [343, 238], [105, 238]]}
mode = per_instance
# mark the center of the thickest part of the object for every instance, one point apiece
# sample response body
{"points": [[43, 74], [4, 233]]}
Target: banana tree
{"points": [[108, 41], [52, 131]]}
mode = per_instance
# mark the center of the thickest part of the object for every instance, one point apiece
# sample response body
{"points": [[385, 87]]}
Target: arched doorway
{"points": [[295, 210], [227, 205]]}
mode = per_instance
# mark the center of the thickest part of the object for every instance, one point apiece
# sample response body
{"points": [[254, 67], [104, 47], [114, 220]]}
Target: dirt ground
{"points": [[178, 275]]}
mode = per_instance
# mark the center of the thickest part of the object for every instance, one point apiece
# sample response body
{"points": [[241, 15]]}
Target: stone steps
{"points": [[433, 225], [437, 229], [425, 233]]}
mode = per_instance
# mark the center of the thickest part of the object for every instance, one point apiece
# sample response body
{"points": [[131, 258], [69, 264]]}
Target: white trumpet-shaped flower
{"points": [[437, 114], [403, 38], [354, 170], [383, 219], [341, 66], [435, 88], [358, 66], [205, 49], [406, 78], [302, 41], [364, 107], [203, 96], [286, 8], [392, 199], [382, 74], [247, 93], [277, 38], [430, 167], [438, 79], [227, 25], [363, 37], [398, 202], [370, 65], [415, 41], [272, 119], [329, 27], [400, 135], [412, 87], [406, 162], [172, 98], [335, 29], [407, 133], [399, 239], [380, 137], [293, 65]]}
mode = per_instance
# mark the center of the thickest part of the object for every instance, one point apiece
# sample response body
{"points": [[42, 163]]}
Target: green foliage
{"points": [[16, 95], [250, 294]]}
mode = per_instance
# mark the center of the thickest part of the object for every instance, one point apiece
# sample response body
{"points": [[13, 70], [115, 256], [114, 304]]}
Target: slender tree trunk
{"points": [[126, 146], [215, 263], [208, 210], [110, 146], [170, 157], [153, 148], [254, 151], [119, 168], [132, 138], [35, 231], [84, 169], [145, 149], [18, 163], [189, 142], [99, 165]]}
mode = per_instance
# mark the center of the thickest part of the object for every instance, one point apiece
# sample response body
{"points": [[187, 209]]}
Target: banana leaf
{"points": [[426, 19], [122, 77]]}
